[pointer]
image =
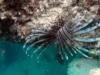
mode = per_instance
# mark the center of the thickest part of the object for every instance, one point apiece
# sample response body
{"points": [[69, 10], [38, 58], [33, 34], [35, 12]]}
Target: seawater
{"points": [[13, 61]]}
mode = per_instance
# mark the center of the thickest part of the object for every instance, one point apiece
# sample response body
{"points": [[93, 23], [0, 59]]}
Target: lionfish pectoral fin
{"points": [[88, 29], [77, 22], [68, 47], [87, 39], [64, 38], [35, 31], [89, 51], [31, 39], [35, 42], [60, 55], [60, 59], [82, 52], [83, 25], [61, 47], [40, 48]]}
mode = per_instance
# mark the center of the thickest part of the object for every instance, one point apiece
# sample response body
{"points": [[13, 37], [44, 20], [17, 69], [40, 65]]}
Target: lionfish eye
{"points": [[69, 38]]}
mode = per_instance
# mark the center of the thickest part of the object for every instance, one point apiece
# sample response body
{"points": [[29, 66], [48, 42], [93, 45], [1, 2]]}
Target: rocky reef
{"points": [[43, 14]]}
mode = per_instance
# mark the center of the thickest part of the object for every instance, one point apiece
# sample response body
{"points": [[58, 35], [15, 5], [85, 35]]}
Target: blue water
{"points": [[13, 61]]}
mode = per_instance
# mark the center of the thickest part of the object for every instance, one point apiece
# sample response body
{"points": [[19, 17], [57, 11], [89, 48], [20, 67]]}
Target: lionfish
{"points": [[69, 38]]}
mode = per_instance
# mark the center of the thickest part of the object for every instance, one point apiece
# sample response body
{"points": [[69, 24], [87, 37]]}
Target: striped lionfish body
{"points": [[70, 38]]}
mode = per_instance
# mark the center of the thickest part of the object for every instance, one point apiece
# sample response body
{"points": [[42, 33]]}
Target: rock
{"points": [[95, 71], [82, 66], [23, 31], [1, 1]]}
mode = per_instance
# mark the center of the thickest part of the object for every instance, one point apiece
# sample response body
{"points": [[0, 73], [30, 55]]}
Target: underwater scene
{"points": [[49, 37]]}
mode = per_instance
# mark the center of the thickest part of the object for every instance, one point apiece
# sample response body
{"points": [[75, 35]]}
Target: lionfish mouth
{"points": [[70, 39]]}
